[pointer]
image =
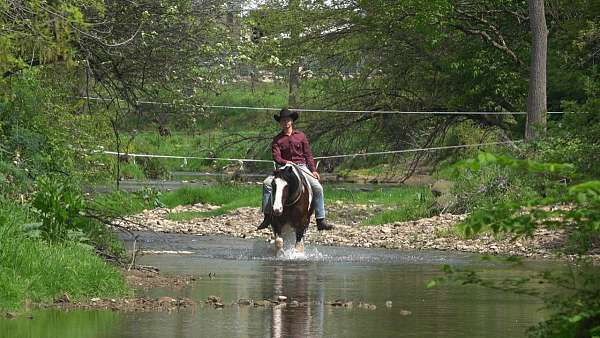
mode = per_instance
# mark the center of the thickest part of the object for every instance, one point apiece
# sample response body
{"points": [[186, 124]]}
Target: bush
{"points": [[481, 187], [153, 168], [574, 139], [59, 205], [40, 271]]}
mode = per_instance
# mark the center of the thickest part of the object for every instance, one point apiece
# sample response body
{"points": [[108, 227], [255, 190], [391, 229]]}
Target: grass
{"points": [[383, 195], [228, 197], [410, 202], [121, 203], [31, 269]]}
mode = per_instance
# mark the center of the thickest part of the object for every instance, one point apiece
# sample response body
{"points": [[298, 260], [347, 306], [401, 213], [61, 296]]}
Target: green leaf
{"points": [[575, 318]]}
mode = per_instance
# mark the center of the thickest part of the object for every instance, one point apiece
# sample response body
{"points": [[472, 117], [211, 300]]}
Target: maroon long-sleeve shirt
{"points": [[293, 148]]}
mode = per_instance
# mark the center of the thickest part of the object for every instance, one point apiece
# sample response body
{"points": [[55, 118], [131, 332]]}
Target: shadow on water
{"points": [[245, 269]]}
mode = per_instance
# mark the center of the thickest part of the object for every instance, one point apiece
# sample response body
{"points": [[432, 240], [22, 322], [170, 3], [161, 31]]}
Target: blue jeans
{"points": [[317, 188]]}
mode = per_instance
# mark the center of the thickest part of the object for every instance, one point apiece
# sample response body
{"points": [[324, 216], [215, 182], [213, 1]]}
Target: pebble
{"points": [[429, 233], [244, 302]]}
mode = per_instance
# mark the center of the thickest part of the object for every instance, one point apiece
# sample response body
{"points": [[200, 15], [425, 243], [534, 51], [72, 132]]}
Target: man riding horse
{"points": [[291, 146]]}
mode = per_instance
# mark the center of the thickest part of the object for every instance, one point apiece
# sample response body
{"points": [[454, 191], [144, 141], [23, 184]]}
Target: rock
{"points": [[95, 299], [367, 306], [163, 300], [63, 299], [294, 303], [218, 305], [405, 313], [281, 298], [10, 315], [429, 233], [262, 303], [213, 299], [244, 302]]}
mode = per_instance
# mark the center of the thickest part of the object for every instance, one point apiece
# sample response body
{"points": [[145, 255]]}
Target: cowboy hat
{"points": [[286, 113]]}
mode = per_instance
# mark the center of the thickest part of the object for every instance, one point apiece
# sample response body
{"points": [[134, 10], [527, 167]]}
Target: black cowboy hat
{"points": [[286, 113]]}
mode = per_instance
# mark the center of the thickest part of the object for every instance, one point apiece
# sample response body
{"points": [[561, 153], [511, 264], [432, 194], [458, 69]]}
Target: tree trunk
{"points": [[294, 77], [294, 98], [536, 101]]}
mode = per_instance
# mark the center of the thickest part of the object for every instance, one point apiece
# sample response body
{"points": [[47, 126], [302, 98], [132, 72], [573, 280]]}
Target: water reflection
{"points": [[298, 318], [358, 275]]}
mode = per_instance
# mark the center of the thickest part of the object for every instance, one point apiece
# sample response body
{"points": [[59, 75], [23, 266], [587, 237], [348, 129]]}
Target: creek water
{"points": [[246, 269]]}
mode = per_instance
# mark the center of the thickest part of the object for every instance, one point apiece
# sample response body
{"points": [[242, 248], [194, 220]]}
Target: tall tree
{"points": [[536, 101], [294, 77]]}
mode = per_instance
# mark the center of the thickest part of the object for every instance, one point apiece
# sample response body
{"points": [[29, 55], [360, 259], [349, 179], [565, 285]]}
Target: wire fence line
{"points": [[241, 161], [312, 110]]}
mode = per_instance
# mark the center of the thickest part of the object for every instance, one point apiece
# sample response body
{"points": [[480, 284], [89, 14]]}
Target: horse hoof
{"points": [[279, 243], [299, 247]]}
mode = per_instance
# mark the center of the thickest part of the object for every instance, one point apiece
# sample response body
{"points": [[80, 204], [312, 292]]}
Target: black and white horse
{"points": [[292, 204]]}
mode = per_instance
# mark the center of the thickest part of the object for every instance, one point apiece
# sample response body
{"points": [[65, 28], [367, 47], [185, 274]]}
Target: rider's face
{"points": [[285, 122]]}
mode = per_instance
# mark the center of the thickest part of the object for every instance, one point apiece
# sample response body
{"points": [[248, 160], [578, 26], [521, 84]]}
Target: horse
{"points": [[292, 204]]}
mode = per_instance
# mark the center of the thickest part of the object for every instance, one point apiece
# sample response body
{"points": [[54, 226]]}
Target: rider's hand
{"points": [[316, 175]]}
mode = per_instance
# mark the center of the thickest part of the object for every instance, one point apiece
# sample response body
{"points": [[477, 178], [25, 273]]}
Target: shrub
{"points": [[475, 188], [59, 205], [153, 168]]}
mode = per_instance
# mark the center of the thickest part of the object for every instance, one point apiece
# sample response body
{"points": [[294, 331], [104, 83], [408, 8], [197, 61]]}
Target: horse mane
{"points": [[287, 174]]}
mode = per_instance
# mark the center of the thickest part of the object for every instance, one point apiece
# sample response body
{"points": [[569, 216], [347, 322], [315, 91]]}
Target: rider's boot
{"points": [[322, 225], [265, 223]]}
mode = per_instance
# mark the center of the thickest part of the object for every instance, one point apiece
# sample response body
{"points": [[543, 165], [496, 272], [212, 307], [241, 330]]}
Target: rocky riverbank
{"points": [[145, 279], [435, 233]]}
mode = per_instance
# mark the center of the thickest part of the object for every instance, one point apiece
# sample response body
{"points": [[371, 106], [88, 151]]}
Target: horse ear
{"points": [[289, 169]]}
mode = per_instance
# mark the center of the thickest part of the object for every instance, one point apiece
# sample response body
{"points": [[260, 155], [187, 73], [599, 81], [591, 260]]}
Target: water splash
{"points": [[289, 251], [293, 254]]}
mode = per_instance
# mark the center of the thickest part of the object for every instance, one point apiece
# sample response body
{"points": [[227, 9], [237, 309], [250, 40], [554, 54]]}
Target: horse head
{"points": [[286, 184]]}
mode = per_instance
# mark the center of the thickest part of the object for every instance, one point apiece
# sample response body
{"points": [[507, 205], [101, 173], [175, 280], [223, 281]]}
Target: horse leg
{"points": [[299, 236], [278, 239]]}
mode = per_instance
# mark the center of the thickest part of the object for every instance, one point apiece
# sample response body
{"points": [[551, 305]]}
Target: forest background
{"points": [[80, 77]]}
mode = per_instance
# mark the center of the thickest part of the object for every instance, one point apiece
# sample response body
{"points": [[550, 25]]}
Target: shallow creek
{"points": [[391, 280]]}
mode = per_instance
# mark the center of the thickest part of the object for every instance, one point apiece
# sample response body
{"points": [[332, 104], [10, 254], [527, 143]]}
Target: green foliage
{"points": [[490, 179], [575, 307], [12, 179], [575, 139], [398, 203], [132, 171], [120, 203], [59, 205], [573, 298], [39, 271], [226, 194], [153, 168], [575, 209]]}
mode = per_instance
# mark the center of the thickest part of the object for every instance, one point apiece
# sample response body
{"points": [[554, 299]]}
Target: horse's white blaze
{"points": [[278, 202]]}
